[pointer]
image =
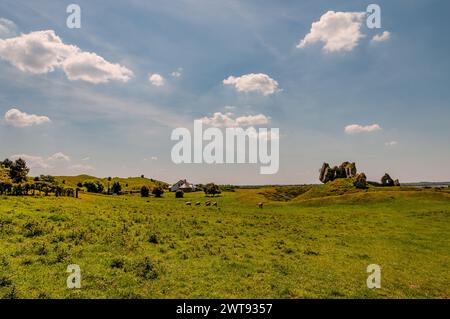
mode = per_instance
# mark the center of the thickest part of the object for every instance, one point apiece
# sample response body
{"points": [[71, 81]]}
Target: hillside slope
{"points": [[134, 183]]}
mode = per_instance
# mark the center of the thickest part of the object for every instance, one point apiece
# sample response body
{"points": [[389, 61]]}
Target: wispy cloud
{"points": [[386, 35], [220, 119], [356, 128]]}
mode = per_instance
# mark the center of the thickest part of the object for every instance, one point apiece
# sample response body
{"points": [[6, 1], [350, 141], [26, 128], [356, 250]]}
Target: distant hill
{"points": [[134, 183], [428, 184]]}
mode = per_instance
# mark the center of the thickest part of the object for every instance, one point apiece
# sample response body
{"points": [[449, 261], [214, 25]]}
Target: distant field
{"points": [[304, 243]]}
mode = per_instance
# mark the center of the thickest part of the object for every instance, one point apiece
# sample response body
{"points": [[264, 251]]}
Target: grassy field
{"points": [[311, 242]]}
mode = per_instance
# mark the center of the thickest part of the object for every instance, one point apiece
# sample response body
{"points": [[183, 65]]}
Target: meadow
{"points": [[307, 242]]}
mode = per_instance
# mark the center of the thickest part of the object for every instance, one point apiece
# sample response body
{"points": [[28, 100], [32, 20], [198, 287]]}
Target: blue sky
{"points": [[122, 127]]}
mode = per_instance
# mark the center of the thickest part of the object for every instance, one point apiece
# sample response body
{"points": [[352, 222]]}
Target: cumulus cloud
{"points": [[43, 51], [37, 52], [220, 119], [7, 28], [32, 160], [59, 157], [18, 118], [260, 83], [92, 68], [386, 35], [356, 128], [338, 31], [156, 79]]}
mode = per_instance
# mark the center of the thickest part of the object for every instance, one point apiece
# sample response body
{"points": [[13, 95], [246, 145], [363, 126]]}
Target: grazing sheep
{"points": [[215, 204], [260, 205], [197, 204], [208, 203], [188, 203]]}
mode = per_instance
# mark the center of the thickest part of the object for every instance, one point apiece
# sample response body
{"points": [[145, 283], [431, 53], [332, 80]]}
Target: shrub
{"points": [[117, 263], [94, 186], [116, 188], [153, 238], [158, 191], [145, 191], [212, 189], [147, 269], [179, 194], [5, 281]]}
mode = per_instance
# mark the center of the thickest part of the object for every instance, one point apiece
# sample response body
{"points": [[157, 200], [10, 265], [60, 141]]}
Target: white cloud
{"points": [[177, 73], [92, 68], [43, 51], [339, 31], [31, 160], [37, 52], [391, 143], [356, 128], [386, 35], [156, 79], [86, 159], [250, 120], [18, 118], [260, 83], [229, 120], [81, 167], [7, 28], [59, 157]]}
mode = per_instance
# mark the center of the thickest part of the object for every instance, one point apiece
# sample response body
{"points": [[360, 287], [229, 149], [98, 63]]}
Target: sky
{"points": [[104, 99]]}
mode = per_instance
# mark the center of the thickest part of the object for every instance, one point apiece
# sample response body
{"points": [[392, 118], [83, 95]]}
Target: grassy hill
{"points": [[134, 183], [312, 241]]}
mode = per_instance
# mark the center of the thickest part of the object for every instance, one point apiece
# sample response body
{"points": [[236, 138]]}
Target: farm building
{"points": [[183, 185]]}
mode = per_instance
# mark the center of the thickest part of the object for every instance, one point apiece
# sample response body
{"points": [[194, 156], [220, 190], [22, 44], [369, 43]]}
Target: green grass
{"points": [[134, 183], [305, 246]]}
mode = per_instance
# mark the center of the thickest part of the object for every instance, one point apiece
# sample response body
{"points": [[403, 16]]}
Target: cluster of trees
{"points": [[92, 186], [17, 170], [157, 191], [95, 186], [14, 181]]}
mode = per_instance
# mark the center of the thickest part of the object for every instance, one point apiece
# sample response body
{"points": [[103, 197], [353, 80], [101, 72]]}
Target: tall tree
{"points": [[19, 171]]}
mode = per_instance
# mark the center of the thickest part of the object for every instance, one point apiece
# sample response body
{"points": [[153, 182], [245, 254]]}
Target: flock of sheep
{"points": [[208, 203]]}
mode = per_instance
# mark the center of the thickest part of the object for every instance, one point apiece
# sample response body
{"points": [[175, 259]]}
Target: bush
{"points": [[116, 188], [147, 269], [179, 194], [145, 191], [158, 191], [94, 186], [153, 239], [117, 263], [212, 189]]}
